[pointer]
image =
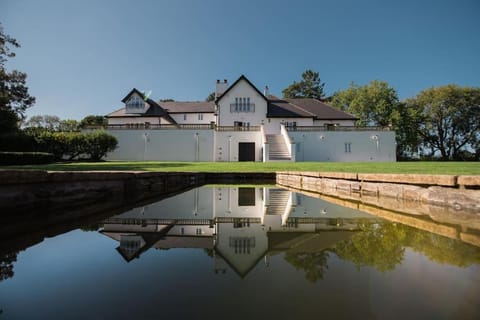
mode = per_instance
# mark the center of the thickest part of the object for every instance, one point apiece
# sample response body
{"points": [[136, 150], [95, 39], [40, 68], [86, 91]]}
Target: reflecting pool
{"points": [[222, 252]]}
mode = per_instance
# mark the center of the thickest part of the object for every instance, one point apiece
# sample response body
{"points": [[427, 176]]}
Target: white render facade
{"points": [[243, 124]]}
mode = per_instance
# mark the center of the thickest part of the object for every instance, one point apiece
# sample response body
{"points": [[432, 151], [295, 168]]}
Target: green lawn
{"points": [[456, 168]]}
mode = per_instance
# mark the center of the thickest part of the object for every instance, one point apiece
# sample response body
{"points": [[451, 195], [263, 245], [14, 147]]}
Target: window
{"points": [[200, 116], [185, 117], [242, 245], [242, 104], [348, 147], [135, 103]]}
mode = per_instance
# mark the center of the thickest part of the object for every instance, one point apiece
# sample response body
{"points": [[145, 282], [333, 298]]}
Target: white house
{"points": [[243, 124]]}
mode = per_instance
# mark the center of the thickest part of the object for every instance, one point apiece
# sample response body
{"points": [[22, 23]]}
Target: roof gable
{"points": [[242, 77], [134, 90]]}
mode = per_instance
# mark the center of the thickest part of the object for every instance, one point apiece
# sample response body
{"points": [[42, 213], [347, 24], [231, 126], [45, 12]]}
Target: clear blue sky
{"points": [[82, 57]]}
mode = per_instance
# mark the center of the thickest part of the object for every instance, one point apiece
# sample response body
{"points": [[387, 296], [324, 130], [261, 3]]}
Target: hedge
{"points": [[18, 158], [73, 145]]}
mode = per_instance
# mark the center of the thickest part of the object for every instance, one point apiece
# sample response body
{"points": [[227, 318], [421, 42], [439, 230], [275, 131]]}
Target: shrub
{"points": [[71, 145], [98, 144], [19, 158], [17, 141]]}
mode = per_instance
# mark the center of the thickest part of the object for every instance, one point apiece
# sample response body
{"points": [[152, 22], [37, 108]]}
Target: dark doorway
{"points": [[246, 151], [246, 197]]}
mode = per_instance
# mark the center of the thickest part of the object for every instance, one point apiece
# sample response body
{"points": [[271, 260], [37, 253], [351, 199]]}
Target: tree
{"points": [[449, 120], [210, 97], [93, 121], [309, 87], [373, 103], [68, 125], [47, 122], [14, 97]]}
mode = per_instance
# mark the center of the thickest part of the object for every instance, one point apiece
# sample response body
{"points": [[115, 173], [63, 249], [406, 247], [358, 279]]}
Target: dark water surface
{"points": [[242, 253]]}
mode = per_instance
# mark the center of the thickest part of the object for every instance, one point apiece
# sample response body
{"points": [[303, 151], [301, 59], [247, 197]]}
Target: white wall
{"points": [[330, 145], [192, 118], [226, 144], [242, 89], [226, 204], [163, 145], [345, 123], [272, 125], [135, 120]]}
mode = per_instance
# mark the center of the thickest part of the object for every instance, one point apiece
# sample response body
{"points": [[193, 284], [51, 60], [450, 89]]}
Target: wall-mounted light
{"points": [[322, 137], [376, 139]]}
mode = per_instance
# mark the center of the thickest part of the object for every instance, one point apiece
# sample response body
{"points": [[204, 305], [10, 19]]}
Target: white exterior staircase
{"points": [[278, 150]]}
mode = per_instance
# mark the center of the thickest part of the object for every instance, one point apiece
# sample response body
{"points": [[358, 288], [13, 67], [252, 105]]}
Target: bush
{"points": [[98, 144], [18, 141], [71, 145], [19, 158]]}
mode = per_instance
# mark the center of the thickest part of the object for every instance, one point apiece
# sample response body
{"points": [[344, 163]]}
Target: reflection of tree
{"points": [[378, 245], [443, 250], [314, 264], [382, 246], [6, 265], [91, 227]]}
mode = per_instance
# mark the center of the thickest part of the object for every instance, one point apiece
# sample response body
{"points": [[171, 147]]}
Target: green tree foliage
{"points": [[14, 97], [309, 87], [377, 104], [449, 120], [373, 103], [47, 122], [210, 97], [99, 143], [382, 246], [68, 125], [314, 264], [71, 145], [93, 121]]}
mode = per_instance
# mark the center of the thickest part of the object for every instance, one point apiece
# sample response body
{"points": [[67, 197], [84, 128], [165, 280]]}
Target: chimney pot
{"points": [[224, 80], [218, 80], [265, 91]]}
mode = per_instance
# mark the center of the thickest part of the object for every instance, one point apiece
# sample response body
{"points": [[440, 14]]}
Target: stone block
{"points": [[417, 179]]}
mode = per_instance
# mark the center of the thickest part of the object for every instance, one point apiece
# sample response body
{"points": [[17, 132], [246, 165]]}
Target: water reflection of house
{"points": [[238, 225]]}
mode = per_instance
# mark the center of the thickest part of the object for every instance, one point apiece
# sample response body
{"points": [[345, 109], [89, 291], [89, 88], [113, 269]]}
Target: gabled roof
{"points": [[242, 77], [134, 90], [154, 109], [304, 108]]}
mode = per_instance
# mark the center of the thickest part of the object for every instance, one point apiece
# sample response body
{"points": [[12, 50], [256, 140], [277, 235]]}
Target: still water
{"points": [[224, 252]]}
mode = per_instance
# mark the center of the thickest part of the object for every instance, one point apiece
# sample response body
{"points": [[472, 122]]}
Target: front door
{"points": [[246, 151]]}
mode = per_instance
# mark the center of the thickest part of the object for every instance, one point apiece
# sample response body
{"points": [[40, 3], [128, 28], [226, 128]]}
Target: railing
{"points": [[237, 128], [240, 107], [288, 142], [336, 128], [143, 126]]}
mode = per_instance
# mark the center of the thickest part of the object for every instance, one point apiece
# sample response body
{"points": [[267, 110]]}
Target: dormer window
{"points": [[135, 104]]}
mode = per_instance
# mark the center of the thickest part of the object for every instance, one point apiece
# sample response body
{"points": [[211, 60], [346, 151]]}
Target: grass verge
{"points": [[454, 168]]}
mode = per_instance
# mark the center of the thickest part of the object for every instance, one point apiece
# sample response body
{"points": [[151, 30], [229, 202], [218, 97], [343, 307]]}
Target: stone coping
{"points": [[414, 179], [38, 176]]}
